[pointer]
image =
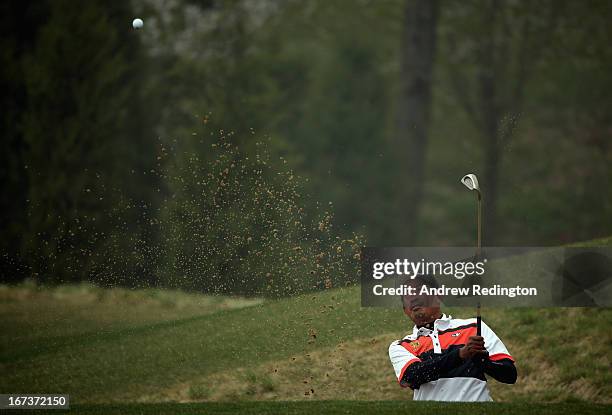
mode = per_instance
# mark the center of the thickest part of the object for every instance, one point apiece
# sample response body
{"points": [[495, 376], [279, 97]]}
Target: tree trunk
{"points": [[490, 110], [417, 60]]}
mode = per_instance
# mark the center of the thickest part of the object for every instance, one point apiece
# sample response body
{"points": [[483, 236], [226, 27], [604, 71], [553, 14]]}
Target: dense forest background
{"points": [[253, 146]]}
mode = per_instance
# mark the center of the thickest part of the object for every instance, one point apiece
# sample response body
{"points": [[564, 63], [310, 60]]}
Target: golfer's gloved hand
{"points": [[474, 348]]}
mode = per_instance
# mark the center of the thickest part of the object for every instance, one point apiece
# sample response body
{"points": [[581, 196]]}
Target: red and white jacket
{"points": [[464, 381]]}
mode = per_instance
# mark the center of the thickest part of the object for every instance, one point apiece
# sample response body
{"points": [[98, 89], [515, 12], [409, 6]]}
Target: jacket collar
{"points": [[440, 324]]}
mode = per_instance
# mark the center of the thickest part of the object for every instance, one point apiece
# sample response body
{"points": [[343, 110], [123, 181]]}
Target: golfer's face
{"points": [[421, 308]]}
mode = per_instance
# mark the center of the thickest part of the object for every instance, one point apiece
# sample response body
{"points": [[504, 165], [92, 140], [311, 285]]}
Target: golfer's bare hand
{"points": [[474, 347]]}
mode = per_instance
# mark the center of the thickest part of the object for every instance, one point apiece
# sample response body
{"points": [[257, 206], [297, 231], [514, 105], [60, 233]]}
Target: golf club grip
{"points": [[478, 325]]}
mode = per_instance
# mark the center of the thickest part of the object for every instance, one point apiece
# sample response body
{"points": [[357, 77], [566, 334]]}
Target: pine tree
{"points": [[90, 154], [19, 25]]}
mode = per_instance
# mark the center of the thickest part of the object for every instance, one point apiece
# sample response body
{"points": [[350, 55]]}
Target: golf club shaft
{"points": [[478, 321], [479, 227], [478, 246]]}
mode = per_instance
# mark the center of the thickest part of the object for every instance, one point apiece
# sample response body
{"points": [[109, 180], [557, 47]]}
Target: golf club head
{"points": [[471, 182]]}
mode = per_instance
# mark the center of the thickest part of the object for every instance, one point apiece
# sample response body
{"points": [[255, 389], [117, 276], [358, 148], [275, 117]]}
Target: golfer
{"points": [[443, 359]]}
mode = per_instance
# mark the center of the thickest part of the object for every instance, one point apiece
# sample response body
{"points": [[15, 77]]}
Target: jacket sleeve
{"points": [[413, 372], [497, 350], [502, 370], [431, 369], [500, 364], [401, 359]]}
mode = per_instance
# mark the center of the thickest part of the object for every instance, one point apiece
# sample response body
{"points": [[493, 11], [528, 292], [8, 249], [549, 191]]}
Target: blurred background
{"points": [[153, 178], [241, 146]]}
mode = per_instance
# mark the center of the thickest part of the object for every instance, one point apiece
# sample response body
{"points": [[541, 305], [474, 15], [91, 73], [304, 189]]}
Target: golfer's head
{"points": [[420, 307]]}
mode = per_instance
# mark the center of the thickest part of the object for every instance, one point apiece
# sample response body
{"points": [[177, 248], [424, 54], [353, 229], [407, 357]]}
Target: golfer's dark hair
{"points": [[419, 280]]}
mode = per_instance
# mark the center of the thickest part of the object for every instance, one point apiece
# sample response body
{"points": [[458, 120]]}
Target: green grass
{"points": [[130, 346], [126, 362], [343, 407], [43, 314]]}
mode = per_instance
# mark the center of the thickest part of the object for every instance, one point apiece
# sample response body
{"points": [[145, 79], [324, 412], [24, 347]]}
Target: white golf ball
{"points": [[137, 23]]}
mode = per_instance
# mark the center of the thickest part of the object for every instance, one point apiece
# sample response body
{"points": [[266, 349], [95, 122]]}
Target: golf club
{"points": [[471, 182]]}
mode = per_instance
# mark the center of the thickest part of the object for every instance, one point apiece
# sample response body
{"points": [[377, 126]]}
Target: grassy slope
{"points": [[346, 407], [45, 318], [554, 365], [143, 357], [127, 362]]}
